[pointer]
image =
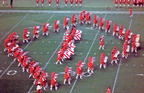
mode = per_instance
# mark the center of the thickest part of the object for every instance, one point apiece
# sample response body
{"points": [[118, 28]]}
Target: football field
{"points": [[126, 77]]}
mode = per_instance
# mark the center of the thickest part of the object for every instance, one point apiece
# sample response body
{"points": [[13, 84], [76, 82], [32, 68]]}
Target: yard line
{"points": [[117, 73], [14, 26], [87, 55], [47, 62], [7, 69], [24, 49], [49, 11], [40, 30], [1, 14]]}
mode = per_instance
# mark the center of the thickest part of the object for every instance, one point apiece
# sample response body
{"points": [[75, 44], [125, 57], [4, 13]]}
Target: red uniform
{"points": [[79, 69], [57, 1], [67, 75], [95, 21], [26, 34], [56, 25], [130, 12], [90, 64], [101, 23], [102, 43], [66, 23], [53, 81], [82, 17], [76, 2], [71, 1], [73, 20], [37, 1], [115, 29], [108, 90], [36, 32], [121, 32], [49, 1], [108, 24], [80, 1], [88, 18], [128, 2], [120, 2], [103, 60], [66, 2], [45, 29], [42, 1], [116, 2]]}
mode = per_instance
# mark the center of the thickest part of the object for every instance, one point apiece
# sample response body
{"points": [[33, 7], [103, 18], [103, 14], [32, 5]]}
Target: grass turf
{"points": [[42, 50]]}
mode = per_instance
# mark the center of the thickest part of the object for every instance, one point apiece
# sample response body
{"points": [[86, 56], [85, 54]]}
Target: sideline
{"points": [[53, 11]]}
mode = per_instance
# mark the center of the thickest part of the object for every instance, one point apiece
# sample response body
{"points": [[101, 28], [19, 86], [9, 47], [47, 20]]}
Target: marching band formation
{"points": [[57, 2], [13, 49], [134, 3]]}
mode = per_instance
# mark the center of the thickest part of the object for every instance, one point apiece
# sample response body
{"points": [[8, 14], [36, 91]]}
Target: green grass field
{"points": [[127, 77]]}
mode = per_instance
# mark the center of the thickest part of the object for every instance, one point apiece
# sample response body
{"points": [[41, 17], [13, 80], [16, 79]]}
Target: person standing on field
{"points": [[11, 3]]}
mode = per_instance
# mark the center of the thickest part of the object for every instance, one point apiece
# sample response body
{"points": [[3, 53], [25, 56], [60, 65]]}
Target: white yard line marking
{"points": [[87, 55], [117, 73], [47, 62], [49, 11], [40, 30], [14, 26], [23, 49], [1, 14]]}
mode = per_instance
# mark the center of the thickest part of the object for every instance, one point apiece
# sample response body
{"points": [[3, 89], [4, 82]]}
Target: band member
{"points": [[128, 35], [76, 2], [121, 32], [120, 3], [95, 21], [56, 25], [108, 25], [88, 18], [60, 57], [114, 55], [102, 42], [26, 35], [39, 88], [128, 2], [103, 60], [71, 2], [90, 65], [126, 49], [66, 2], [115, 29], [66, 23], [57, 2], [54, 83], [116, 2], [82, 17], [37, 2], [131, 12], [67, 75], [36, 31], [80, 1], [45, 29], [74, 21], [49, 1], [101, 23], [79, 69], [42, 1], [4, 2], [108, 90]]}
